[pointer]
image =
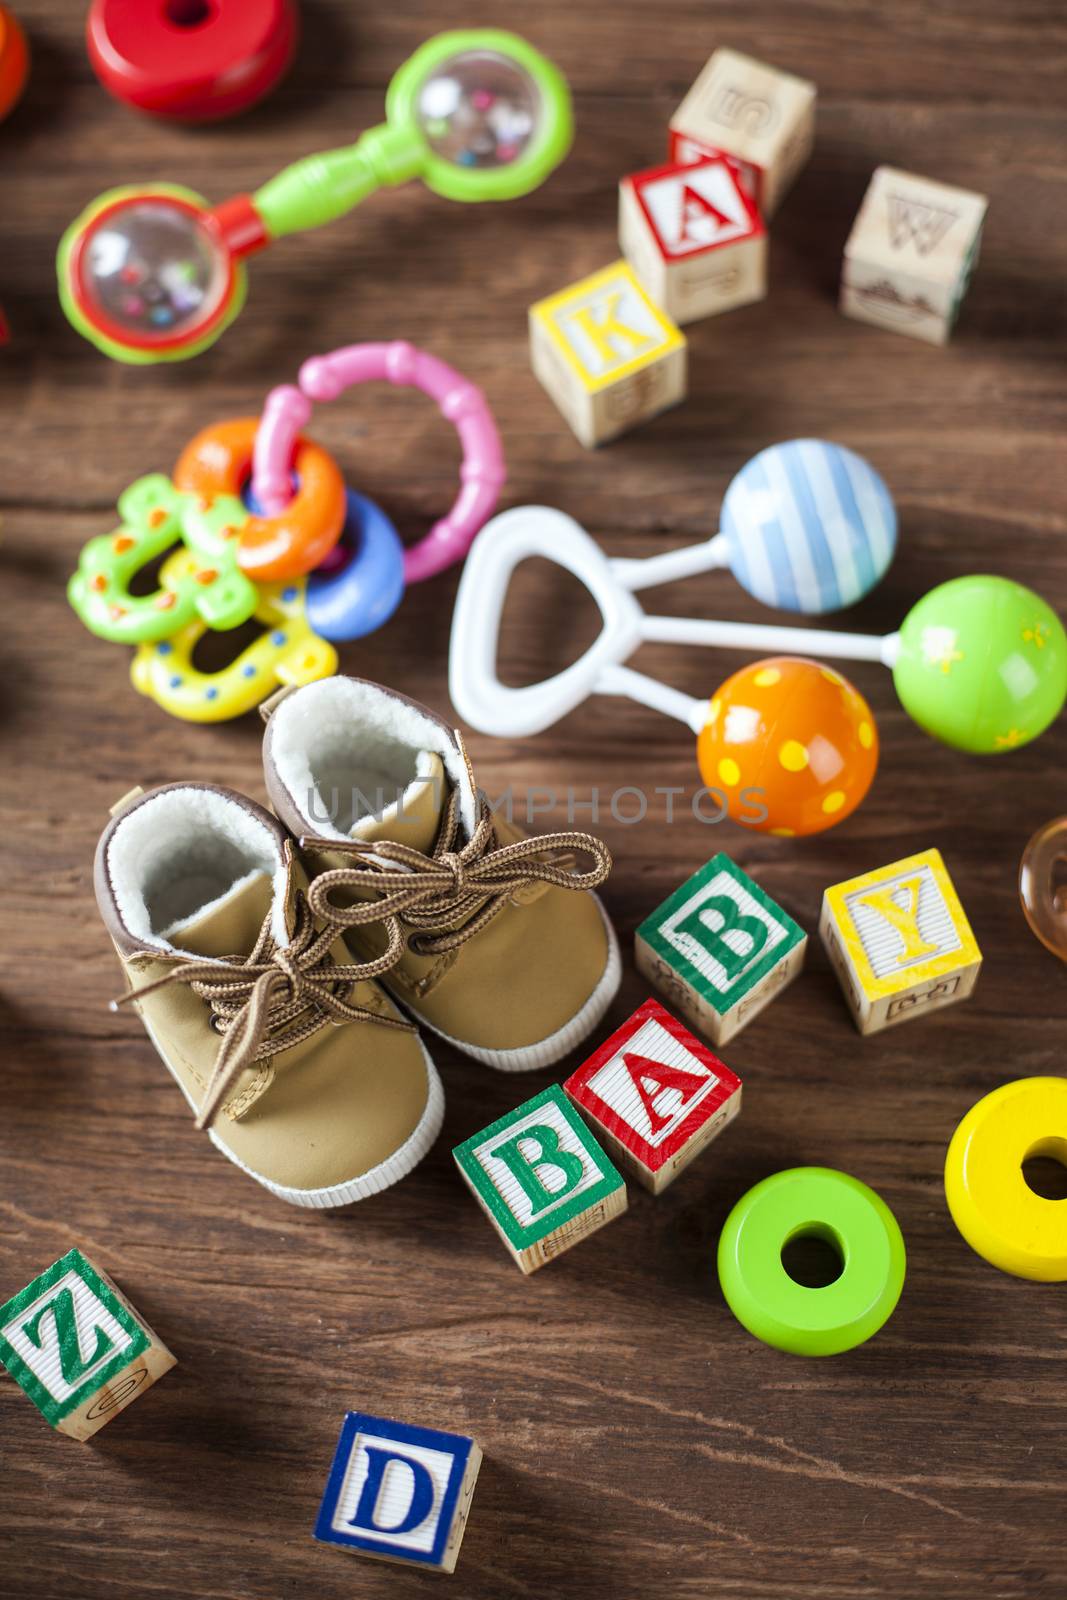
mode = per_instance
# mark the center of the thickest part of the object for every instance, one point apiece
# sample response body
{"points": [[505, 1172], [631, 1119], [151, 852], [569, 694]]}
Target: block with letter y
{"points": [[541, 1178], [77, 1348], [720, 948], [899, 940], [399, 1493], [655, 1095]]}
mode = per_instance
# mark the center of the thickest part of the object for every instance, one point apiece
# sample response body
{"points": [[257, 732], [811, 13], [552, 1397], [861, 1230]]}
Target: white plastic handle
{"points": [[477, 693]]}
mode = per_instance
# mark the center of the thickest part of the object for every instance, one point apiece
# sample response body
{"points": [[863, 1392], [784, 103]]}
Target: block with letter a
{"points": [[719, 949], [694, 238], [899, 941], [655, 1095], [910, 255], [541, 1178], [77, 1348], [608, 355], [399, 1493], [761, 118]]}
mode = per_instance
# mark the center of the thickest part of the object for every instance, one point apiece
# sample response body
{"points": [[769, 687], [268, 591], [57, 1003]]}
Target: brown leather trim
{"points": [[280, 797], [124, 941]]}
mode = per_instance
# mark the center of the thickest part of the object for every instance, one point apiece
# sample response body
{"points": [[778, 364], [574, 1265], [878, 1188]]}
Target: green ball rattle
{"points": [[153, 273], [979, 662]]}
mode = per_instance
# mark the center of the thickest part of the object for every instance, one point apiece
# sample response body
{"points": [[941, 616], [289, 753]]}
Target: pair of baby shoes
{"points": [[282, 965]]}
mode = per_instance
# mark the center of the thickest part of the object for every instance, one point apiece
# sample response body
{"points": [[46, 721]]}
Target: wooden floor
{"points": [[636, 1439]]}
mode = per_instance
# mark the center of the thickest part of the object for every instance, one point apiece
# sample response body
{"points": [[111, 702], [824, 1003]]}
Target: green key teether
{"points": [[156, 516], [813, 1202]]}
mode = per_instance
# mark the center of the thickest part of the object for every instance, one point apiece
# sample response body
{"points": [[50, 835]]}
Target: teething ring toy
{"points": [[1043, 903], [210, 587], [283, 544], [992, 1205], [287, 652], [362, 594], [325, 377], [188, 60], [811, 1201]]}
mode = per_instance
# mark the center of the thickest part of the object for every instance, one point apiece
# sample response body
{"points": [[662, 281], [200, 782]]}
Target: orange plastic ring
{"points": [[295, 541]]}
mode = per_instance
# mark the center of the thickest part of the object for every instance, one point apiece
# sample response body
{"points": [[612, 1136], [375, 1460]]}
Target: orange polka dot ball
{"points": [[791, 736]]}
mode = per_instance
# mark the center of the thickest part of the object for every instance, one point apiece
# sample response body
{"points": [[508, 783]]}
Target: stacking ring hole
{"points": [[1045, 1169], [814, 1255], [188, 13]]}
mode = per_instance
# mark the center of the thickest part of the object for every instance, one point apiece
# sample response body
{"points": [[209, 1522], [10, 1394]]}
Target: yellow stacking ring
{"points": [[991, 1202]]}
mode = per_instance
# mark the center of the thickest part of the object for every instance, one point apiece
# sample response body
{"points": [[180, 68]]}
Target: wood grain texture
{"points": [[634, 1436]]}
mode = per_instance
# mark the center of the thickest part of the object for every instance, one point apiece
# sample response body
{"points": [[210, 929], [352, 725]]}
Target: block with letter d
{"points": [[542, 1179], [899, 941], [399, 1493], [75, 1345], [655, 1095], [607, 354], [719, 949]]}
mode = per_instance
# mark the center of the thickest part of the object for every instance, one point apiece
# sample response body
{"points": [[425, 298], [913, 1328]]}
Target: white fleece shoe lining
{"points": [[347, 750], [185, 853]]}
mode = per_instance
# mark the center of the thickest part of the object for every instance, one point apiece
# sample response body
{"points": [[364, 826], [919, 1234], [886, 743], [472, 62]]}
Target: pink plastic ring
{"points": [[482, 473]]}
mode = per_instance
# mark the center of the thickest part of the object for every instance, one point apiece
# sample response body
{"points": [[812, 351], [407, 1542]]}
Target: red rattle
{"points": [[191, 60]]}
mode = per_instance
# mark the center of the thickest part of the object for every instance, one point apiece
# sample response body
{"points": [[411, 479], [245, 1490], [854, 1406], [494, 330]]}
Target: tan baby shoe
{"points": [[504, 951], [321, 1090]]}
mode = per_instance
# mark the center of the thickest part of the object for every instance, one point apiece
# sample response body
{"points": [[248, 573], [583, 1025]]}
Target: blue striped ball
{"points": [[810, 526]]}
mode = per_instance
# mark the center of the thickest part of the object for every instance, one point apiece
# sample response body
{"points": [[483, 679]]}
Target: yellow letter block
{"points": [[607, 354], [899, 941]]}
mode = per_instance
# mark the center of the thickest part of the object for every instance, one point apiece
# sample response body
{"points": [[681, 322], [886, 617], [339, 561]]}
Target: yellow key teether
{"points": [[992, 1204], [286, 652]]}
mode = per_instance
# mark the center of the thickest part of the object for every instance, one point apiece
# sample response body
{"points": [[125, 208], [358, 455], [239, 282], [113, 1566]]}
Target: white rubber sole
{"points": [[375, 1179], [527, 1058]]}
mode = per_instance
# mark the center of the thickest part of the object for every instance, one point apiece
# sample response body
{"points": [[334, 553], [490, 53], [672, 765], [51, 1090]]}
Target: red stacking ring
{"points": [[191, 60]]}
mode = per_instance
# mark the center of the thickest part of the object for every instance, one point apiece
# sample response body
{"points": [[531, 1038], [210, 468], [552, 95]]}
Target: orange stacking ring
{"points": [[295, 541]]}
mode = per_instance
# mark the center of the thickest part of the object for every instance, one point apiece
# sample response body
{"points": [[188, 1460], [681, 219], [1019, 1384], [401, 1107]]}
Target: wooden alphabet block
{"points": [[719, 949], [399, 1493], [910, 254], [763, 119], [541, 1178], [607, 354], [694, 238], [74, 1344], [654, 1095], [899, 941]]}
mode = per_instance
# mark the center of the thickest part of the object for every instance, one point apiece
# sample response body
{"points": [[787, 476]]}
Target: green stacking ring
{"points": [[812, 1202]]}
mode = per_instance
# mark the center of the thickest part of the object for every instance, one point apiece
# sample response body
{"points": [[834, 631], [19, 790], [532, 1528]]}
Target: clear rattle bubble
{"points": [[1042, 878], [154, 270], [479, 109]]}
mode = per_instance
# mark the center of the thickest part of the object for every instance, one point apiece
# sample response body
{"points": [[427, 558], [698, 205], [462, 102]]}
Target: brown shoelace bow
{"points": [[276, 998], [453, 894]]}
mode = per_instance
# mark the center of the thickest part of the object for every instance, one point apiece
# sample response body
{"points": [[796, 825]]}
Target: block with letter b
{"points": [[899, 941], [910, 255], [694, 238], [75, 1345], [761, 118], [719, 949], [542, 1179], [607, 354], [655, 1095], [399, 1493]]}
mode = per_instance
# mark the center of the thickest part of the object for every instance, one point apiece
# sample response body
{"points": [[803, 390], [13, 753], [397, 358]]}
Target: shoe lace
{"points": [[450, 896], [273, 999]]}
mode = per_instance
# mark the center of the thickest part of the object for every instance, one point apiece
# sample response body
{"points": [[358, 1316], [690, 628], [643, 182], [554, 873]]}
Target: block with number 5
{"points": [[655, 1095], [719, 949]]}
